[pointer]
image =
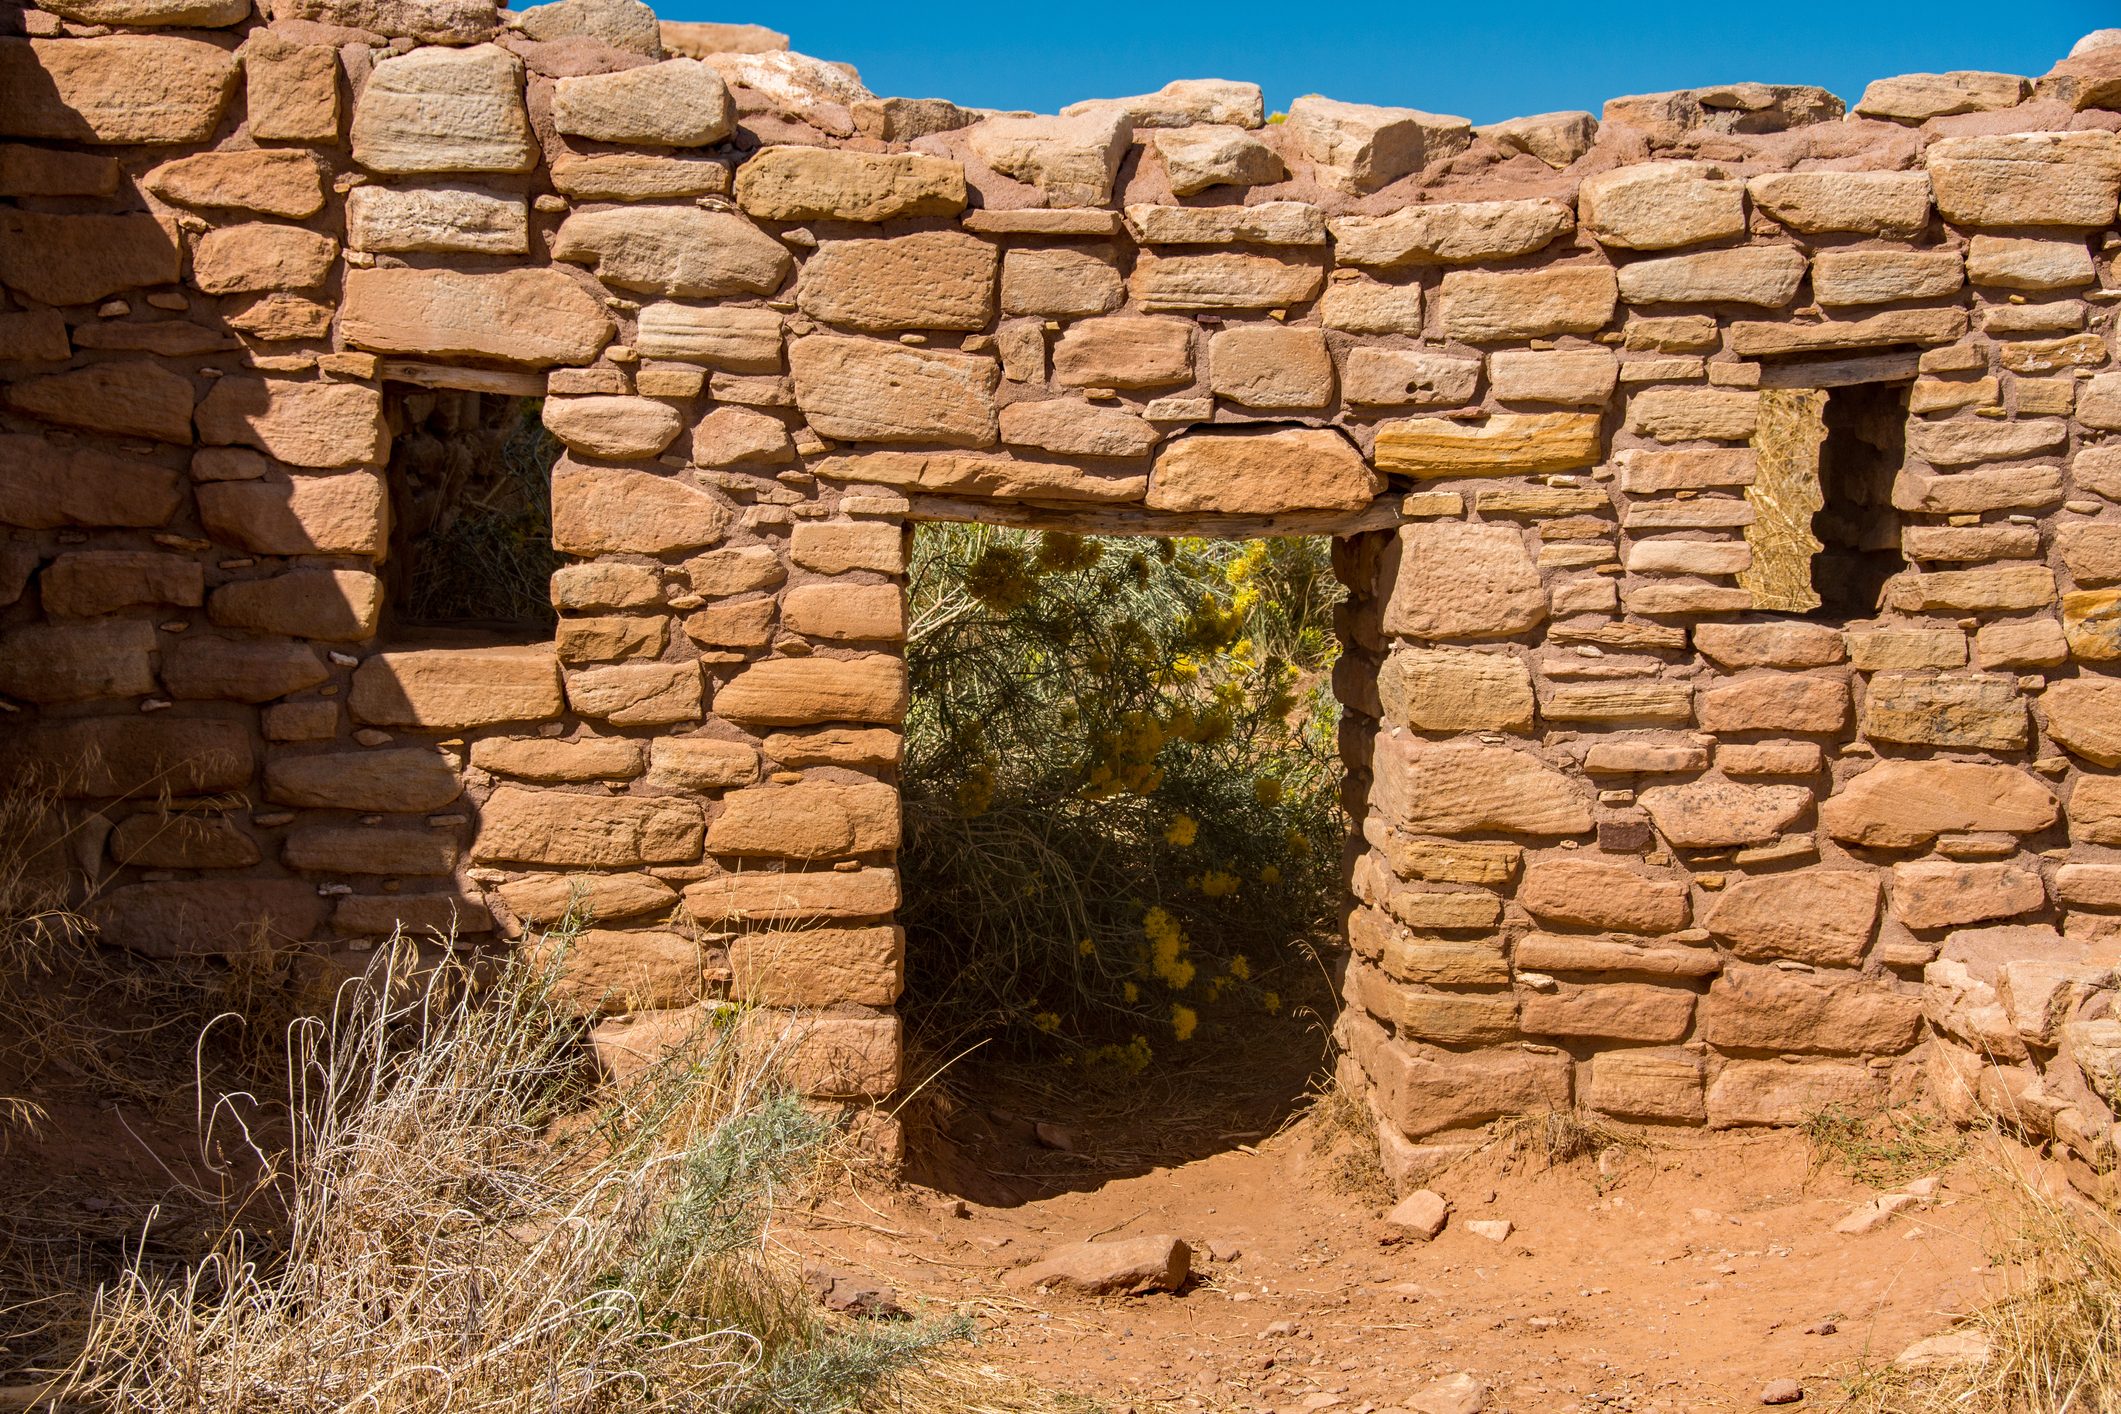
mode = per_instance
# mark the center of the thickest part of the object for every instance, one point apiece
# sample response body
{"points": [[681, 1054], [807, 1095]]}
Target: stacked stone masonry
{"points": [[1641, 829]]}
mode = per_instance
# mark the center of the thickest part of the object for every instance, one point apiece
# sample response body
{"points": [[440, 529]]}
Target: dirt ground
{"points": [[1681, 1273]]}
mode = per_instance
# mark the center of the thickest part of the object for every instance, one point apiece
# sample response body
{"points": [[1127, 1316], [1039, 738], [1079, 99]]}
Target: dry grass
{"points": [[1882, 1148], [458, 1222], [2053, 1337], [1556, 1137], [1344, 1141]]}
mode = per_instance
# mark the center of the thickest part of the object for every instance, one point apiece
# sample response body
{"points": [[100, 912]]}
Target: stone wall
{"points": [[1642, 829]]}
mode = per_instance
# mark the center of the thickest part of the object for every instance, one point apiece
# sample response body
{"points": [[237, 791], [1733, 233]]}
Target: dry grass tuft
{"points": [[1344, 1139], [2052, 1341], [1882, 1148], [459, 1222], [1557, 1137]]}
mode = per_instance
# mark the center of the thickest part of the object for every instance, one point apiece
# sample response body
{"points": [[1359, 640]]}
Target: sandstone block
{"points": [[637, 176], [605, 510], [1502, 444], [337, 849], [2091, 624], [1408, 377], [1575, 377], [1599, 893], [410, 779], [44, 486], [819, 966], [866, 390], [1184, 102], [810, 820], [439, 109], [207, 918], [1270, 366], [1481, 306], [208, 666], [80, 259], [1946, 894], [1556, 139], [88, 584], [522, 316], [131, 398], [858, 747], [929, 280], [1620, 1011], [1003, 477], [793, 897], [802, 691], [299, 515], [1819, 916], [119, 88], [677, 103], [321, 425], [48, 663], [589, 758], [1902, 804], [638, 694], [548, 898], [846, 613], [1762, 275], [1073, 161], [1128, 1264], [2084, 717], [1292, 223], [1992, 589], [290, 90], [452, 219], [1782, 1092], [1124, 351], [1894, 204], [1462, 787], [2027, 179], [452, 689], [1424, 1092], [1060, 283], [1984, 713], [700, 764], [1906, 649], [1718, 815], [607, 970], [1658, 205], [821, 184], [1458, 581], [258, 255], [428, 21], [1368, 307], [1226, 279], [674, 250], [1071, 428], [1450, 233], [1766, 1009], [740, 340], [1212, 155], [830, 1055], [839, 548], [1448, 690], [1916, 98], [444, 916], [1851, 277], [615, 427], [1694, 414], [1647, 1084], [273, 181], [518, 825], [1791, 704], [1357, 147], [154, 840], [2017, 264], [325, 605]]}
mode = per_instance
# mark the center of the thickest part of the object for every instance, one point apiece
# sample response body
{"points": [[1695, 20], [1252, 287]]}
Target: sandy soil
{"points": [[1681, 1275]]}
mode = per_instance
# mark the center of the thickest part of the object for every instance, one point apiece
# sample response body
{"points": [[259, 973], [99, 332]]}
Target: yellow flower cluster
{"points": [[1167, 949], [1182, 831], [1001, 578], [1126, 759], [1218, 883], [975, 793], [1184, 1021]]}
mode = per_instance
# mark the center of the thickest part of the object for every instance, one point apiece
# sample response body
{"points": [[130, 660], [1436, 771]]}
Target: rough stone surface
{"points": [[444, 110]]}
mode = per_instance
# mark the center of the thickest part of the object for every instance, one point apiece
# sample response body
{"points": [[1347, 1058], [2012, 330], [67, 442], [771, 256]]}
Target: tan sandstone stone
{"points": [[519, 825], [444, 110], [674, 250], [867, 390], [1503, 444], [1819, 916], [1449, 690], [928, 280], [452, 689], [1658, 205], [820, 184], [1901, 804], [604, 510]]}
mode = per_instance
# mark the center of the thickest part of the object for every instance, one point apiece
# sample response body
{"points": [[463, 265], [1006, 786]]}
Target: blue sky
{"points": [[1483, 59]]}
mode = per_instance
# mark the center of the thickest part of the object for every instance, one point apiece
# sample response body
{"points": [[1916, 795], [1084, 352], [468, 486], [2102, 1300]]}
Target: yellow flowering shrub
{"points": [[1121, 786]]}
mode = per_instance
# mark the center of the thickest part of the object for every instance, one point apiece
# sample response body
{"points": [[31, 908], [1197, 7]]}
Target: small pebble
{"points": [[1782, 1392]]}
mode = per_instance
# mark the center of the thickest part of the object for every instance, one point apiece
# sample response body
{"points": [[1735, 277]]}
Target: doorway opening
{"points": [[1122, 864], [471, 514]]}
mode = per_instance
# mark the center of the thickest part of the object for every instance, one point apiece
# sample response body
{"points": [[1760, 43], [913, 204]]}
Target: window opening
{"points": [[471, 513], [1826, 537]]}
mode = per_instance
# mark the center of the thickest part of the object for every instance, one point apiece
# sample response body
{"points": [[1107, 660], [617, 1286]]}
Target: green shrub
{"points": [[1121, 786]]}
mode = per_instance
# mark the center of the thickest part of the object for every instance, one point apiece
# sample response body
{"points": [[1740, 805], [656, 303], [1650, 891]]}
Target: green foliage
{"points": [[1121, 785]]}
